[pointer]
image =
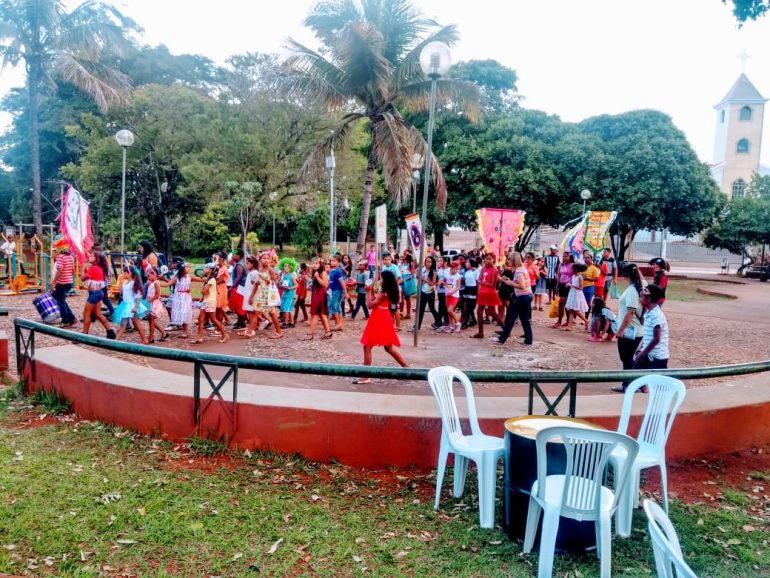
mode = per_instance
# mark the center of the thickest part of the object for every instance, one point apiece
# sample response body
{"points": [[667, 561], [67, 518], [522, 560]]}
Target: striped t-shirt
{"points": [[65, 268], [653, 318]]}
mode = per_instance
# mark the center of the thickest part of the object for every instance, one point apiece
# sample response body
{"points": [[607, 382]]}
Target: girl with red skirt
{"points": [[380, 330], [487, 296]]}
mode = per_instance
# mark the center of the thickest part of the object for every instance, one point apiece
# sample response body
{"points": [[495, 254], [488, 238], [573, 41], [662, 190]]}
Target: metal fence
{"points": [[25, 330]]}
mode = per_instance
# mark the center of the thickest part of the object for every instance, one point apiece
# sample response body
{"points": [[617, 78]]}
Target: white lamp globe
{"points": [[125, 138], [435, 59], [585, 194]]}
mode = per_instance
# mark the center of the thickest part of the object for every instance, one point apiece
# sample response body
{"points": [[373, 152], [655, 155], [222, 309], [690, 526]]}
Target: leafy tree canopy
{"points": [[744, 10]]}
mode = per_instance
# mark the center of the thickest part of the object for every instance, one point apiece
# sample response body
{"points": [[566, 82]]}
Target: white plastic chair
{"points": [[664, 397], [578, 493], [484, 450], [665, 544]]}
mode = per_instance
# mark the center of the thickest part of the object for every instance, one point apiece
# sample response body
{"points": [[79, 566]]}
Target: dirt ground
{"points": [[705, 331]]}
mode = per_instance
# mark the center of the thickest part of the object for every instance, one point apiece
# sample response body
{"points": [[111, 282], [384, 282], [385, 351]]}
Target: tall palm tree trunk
{"points": [[33, 81], [366, 202]]}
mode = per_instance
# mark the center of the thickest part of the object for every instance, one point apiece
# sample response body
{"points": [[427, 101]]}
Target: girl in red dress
{"points": [[487, 296], [380, 330]]}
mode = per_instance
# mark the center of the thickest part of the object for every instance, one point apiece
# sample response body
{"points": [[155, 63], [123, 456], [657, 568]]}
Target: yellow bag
{"points": [[553, 312]]}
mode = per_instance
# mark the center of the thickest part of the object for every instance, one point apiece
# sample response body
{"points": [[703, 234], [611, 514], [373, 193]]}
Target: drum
{"points": [[521, 473], [47, 307]]}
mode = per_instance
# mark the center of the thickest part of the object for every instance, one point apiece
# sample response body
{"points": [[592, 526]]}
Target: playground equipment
{"points": [[28, 269]]}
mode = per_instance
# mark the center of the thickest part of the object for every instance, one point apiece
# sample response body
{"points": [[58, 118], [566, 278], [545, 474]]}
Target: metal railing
{"points": [[25, 353]]}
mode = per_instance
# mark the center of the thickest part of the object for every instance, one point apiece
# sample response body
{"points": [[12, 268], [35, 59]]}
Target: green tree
{"points": [[169, 176], [368, 66], [523, 159], [56, 45], [744, 221], [744, 10], [649, 173]]}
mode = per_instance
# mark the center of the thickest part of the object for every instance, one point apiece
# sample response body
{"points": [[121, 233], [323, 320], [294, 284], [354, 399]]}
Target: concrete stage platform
{"points": [[372, 430]]}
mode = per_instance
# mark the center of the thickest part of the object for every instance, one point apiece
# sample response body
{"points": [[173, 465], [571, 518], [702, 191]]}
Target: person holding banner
{"points": [[486, 297]]}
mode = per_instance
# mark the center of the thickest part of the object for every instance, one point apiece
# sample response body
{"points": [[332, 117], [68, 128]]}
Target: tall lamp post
{"points": [[125, 139], [331, 163], [585, 194], [416, 162], [435, 61]]}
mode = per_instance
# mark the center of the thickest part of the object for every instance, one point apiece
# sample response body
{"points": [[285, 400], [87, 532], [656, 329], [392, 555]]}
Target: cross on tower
{"points": [[743, 57]]}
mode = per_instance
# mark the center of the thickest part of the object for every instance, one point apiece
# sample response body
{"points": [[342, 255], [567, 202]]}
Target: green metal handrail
{"points": [[408, 373]]}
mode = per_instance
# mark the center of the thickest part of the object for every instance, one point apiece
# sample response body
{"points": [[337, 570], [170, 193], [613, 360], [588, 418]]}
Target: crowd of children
{"points": [[256, 293]]}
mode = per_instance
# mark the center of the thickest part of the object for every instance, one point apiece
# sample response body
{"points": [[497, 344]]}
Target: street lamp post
{"points": [[125, 139], [435, 61], [585, 194], [416, 161], [331, 163]]}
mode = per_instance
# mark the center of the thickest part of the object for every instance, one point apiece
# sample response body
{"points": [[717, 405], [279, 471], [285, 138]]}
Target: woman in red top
{"points": [[93, 277], [487, 296], [380, 330]]}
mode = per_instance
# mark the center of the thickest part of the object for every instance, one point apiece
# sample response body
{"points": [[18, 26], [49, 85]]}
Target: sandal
{"points": [[225, 339], [276, 336], [247, 335], [477, 336], [196, 341], [165, 337], [618, 389], [361, 380], [309, 337], [327, 335]]}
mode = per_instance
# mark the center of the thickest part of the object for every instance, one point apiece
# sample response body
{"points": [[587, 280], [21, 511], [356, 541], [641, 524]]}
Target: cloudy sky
{"points": [[573, 59]]}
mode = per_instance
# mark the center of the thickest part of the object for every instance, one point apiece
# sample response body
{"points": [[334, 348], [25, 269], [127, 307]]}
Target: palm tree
{"points": [[367, 64], [59, 46]]}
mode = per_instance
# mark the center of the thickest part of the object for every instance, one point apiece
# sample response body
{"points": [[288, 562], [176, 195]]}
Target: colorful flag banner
{"points": [[597, 227], [500, 229], [75, 223], [414, 232], [573, 238]]}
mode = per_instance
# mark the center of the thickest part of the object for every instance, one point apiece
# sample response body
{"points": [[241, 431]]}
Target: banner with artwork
{"points": [[414, 232], [500, 229], [573, 238], [75, 223], [597, 227]]}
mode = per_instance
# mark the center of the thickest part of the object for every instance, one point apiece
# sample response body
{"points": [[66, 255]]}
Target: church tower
{"points": [[738, 142]]}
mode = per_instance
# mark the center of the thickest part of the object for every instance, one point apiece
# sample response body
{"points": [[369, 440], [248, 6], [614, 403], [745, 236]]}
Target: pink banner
{"points": [[500, 229]]}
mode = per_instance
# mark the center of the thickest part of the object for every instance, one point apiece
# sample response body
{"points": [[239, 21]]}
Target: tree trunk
{"points": [[33, 80], [366, 203]]}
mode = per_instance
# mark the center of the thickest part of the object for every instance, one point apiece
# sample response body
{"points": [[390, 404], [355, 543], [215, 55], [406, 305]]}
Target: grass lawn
{"points": [[684, 290], [85, 499]]}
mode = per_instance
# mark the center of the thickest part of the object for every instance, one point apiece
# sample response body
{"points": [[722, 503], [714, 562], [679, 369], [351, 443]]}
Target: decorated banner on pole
{"points": [[499, 229], [75, 223], [414, 232], [597, 227], [574, 237], [381, 224]]}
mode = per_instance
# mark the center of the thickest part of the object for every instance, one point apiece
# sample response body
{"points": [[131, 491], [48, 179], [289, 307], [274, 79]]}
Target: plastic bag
{"points": [[553, 312], [273, 297], [614, 292]]}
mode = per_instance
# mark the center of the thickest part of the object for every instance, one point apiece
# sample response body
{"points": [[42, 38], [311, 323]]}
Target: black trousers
{"points": [[443, 313], [520, 308], [427, 299], [60, 293], [360, 303], [626, 349]]}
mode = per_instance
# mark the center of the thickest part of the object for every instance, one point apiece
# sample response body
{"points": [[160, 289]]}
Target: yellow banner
{"points": [[597, 226]]}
